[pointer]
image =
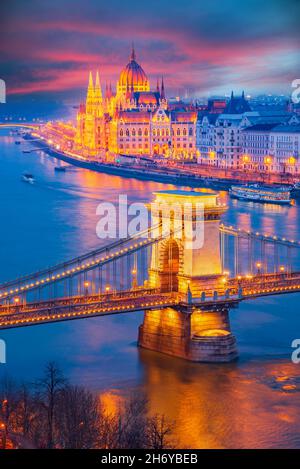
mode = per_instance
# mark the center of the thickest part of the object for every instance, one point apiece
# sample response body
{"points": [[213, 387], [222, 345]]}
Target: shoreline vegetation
{"points": [[51, 413]]}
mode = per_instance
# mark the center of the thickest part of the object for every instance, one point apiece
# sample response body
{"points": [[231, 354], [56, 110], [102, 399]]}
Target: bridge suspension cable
{"points": [[96, 271], [249, 252]]}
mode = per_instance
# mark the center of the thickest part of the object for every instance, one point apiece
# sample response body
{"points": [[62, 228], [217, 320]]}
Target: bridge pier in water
{"points": [[200, 336], [188, 269]]}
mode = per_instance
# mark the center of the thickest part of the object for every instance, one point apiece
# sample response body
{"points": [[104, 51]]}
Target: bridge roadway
{"points": [[141, 299], [63, 309]]}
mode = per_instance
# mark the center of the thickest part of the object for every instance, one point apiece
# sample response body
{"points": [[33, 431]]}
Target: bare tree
{"points": [[78, 418], [133, 422], [159, 432], [58, 415], [133, 428], [48, 390], [26, 410]]}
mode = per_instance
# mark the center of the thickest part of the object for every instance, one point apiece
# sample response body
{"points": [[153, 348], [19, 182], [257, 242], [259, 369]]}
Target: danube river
{"points": [[254, 402]]}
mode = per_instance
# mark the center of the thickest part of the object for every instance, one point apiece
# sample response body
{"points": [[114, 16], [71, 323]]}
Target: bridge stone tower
{"points": [[185, 263]]}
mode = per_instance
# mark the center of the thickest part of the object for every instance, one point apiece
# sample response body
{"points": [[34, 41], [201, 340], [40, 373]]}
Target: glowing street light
{"points": [[86, 287], [17, 302], [134, 280]]}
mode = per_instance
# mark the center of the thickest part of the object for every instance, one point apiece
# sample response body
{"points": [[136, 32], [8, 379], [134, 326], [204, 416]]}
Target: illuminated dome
{"points": [[133, 76]]}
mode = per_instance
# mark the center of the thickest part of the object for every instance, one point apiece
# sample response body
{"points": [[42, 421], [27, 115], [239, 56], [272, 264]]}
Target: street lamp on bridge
{"points": [[86, 288]]}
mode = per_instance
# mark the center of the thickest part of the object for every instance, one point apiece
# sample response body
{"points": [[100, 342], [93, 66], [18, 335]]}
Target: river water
{"points": [[254, 402]]}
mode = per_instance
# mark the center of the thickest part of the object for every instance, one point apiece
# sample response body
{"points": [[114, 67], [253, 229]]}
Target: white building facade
{"points": [[249, 140]]}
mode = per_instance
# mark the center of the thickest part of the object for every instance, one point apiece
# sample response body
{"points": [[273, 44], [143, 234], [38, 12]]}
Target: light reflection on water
{"points": [[252, 403]]}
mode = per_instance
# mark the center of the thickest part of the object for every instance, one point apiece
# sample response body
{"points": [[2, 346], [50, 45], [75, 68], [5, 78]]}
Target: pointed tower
{"points": [[157, 86], [132, 55], [162, 93], [98, 91], [90, 95], [98, 97]]}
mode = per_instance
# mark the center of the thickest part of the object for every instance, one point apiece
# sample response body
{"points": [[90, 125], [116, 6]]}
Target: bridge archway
{"points": [[170, 264]]}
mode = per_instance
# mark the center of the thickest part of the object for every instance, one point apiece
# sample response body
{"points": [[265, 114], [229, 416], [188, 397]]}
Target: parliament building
{"points": [[134, 119]]}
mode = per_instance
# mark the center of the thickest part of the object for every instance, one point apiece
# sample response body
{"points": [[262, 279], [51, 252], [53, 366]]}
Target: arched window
{"points": [[191, 131], [167, 133], [178, 131], [184, 132], [133, 132], [127, 132], [140, 132], [146, 132], [154, 132], [121, 133], [162, 133], [158, 133]]}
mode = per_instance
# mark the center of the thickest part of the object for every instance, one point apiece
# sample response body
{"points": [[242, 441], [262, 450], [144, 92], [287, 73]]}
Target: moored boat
{"points": [[60, 168], [27, 177], [259, 193]]}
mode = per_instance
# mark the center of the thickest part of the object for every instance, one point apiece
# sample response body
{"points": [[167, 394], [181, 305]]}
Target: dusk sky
{"points": [[200, 47]]}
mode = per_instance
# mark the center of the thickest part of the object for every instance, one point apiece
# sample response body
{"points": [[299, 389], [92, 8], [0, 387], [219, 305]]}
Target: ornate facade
{"points": [[134, 120]]}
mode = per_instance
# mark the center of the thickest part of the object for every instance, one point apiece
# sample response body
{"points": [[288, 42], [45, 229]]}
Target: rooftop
{"points": [[273, 127]]}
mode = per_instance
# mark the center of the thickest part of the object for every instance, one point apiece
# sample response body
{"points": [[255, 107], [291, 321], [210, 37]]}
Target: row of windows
{"points": [[156, 132], [145, 145]]}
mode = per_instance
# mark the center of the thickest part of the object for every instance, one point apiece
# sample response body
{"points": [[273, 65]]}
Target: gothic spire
{"points": [[91, 84], [157, 86], [162, 93], [90, 94], [98, 92], [132, 55]]}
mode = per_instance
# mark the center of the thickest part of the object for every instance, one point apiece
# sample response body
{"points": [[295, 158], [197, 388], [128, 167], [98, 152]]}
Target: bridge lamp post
{"points": [[107, 288], [258, 266], [282, 269], [17, 302], [86, 288], [134, 278]]}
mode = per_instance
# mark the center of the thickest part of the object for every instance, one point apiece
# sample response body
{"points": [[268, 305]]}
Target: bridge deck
{"points": [[77, 307], [66, 309]]}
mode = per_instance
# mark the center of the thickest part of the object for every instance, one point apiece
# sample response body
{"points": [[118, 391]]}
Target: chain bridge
{"points": [[185, 289]]}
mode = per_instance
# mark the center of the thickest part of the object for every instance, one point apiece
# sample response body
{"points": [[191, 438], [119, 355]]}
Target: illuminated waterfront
{"points": [[56, 219]]}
